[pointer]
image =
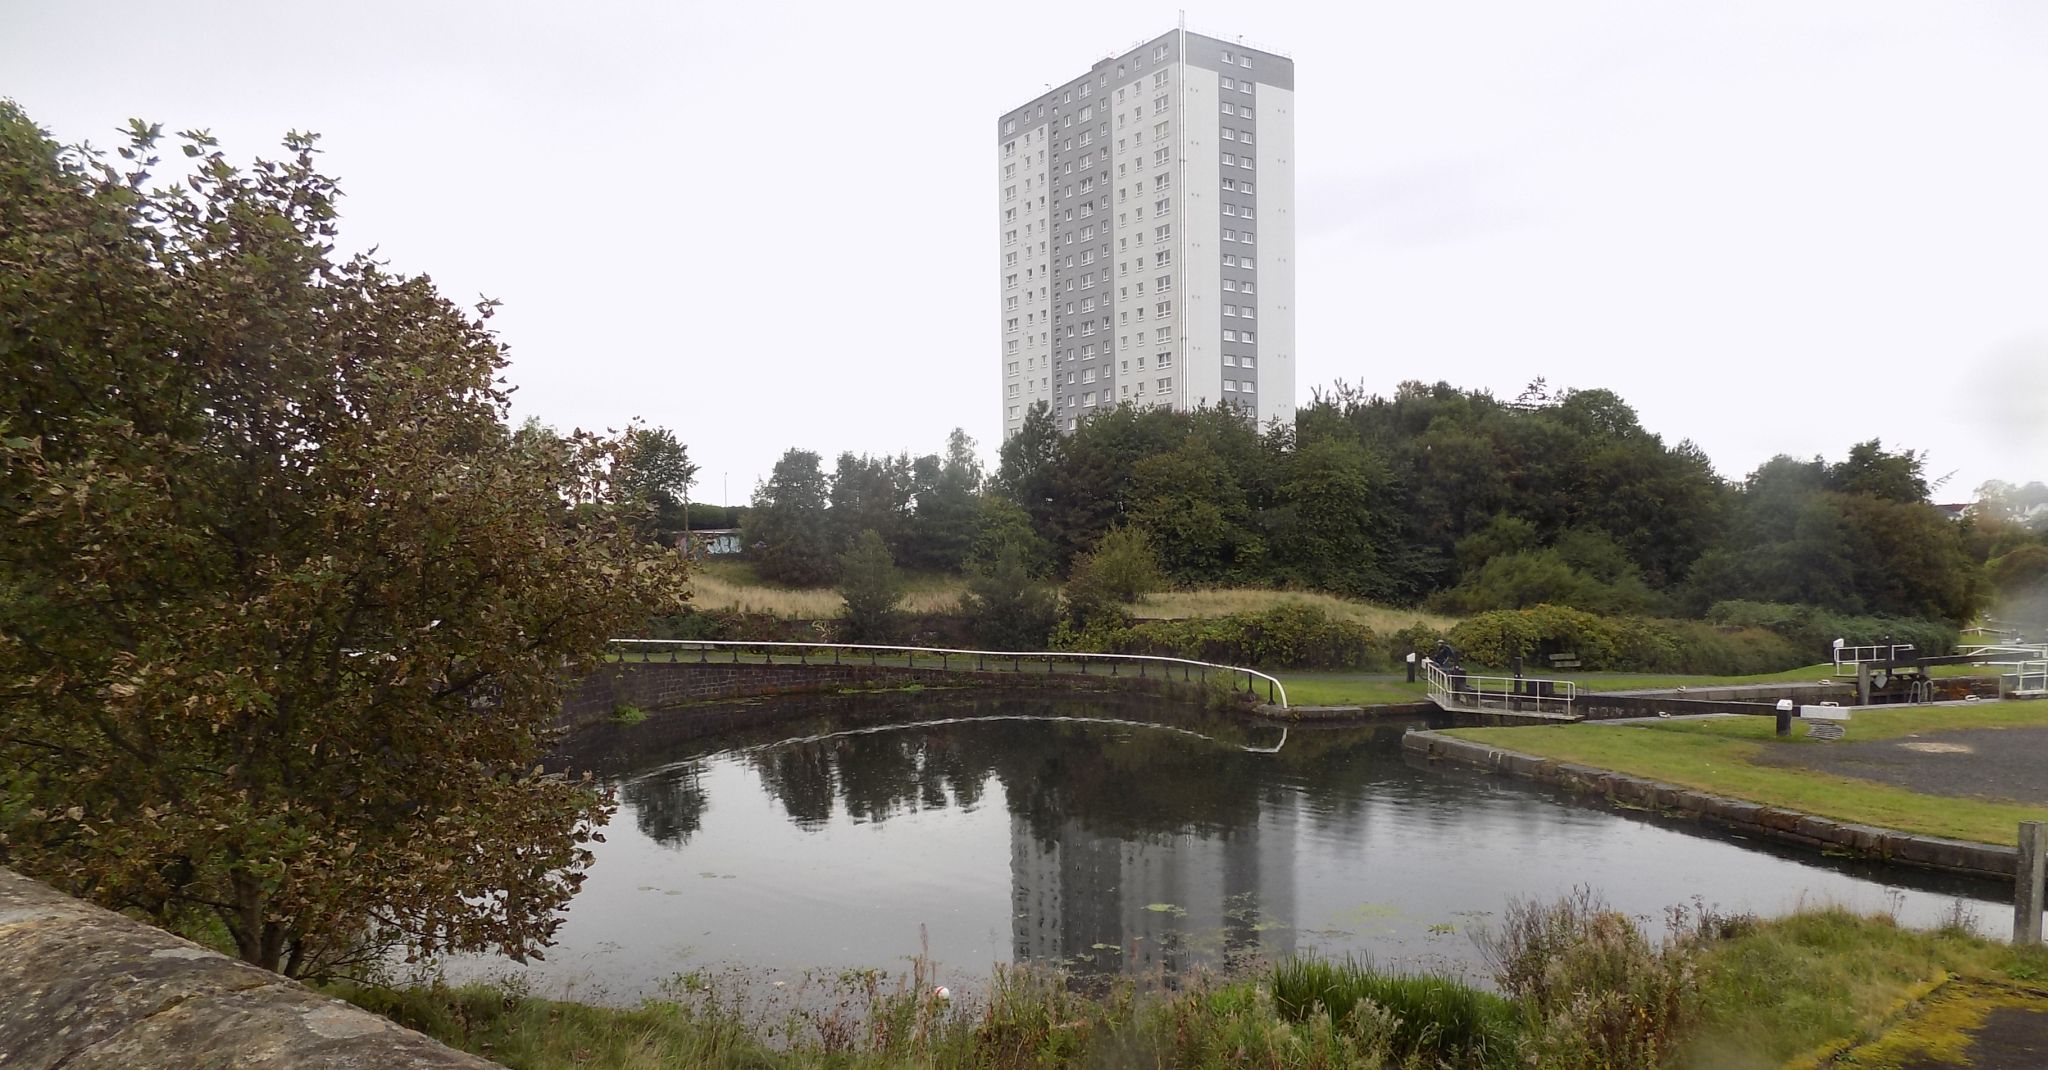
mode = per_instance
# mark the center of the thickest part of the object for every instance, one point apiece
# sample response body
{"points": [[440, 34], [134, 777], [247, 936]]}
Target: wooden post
{"points": [[2027, 877]]}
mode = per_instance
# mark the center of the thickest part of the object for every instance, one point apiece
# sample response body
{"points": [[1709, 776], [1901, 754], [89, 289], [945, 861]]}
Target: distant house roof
{"points": [[1956, 510]]}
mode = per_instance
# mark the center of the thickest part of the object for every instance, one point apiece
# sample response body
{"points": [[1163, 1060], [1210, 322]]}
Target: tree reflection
{"points": [[1135, 847], [668, 805]]}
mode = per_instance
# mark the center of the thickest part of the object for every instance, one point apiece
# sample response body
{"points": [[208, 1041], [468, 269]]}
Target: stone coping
{"points": [[85, 988], [1771, 822]]}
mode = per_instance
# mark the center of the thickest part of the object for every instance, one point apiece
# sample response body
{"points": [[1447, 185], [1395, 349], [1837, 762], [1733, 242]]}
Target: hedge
{"points": [[1622, 644], [1285, 637]]}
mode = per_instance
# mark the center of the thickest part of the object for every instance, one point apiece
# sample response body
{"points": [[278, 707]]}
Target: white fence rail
{"points": [[2008, 653], [1848, 657], [1454, 689], [2030, 679], [1147, 666]]}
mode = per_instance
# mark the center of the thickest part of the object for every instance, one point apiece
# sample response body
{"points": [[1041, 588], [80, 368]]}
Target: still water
{"points": [[1102, 834]]}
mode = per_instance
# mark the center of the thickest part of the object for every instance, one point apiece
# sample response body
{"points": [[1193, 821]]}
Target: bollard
{"points": [[2026, 886], [1784, 717], [1411, 666]]}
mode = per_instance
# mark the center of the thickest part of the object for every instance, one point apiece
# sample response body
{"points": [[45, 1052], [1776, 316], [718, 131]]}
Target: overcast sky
{"points": [[1772, 227]]}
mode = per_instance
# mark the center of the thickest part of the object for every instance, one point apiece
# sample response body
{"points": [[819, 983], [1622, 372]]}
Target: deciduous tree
{"points": [[285, 608]]}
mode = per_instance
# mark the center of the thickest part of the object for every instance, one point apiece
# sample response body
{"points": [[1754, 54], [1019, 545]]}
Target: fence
{"points": [[2028, 680], [1454, 689], [1848, 657], [874, 654]]}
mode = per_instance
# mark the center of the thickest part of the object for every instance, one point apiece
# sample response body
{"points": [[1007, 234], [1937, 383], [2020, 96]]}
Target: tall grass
{"points": [[732, 585], [1433, 1017], [1223, 601], [1586, 988]]}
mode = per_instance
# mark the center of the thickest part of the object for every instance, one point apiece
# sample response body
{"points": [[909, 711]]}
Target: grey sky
{"points": [[1771, 227]]}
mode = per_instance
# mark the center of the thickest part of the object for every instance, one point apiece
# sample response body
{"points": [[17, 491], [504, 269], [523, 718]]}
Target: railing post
{"points": [[835, 655], [703, 655], [2027, 884]]}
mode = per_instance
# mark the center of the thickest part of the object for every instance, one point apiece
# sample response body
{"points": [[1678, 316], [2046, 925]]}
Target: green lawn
{"points": [[1349, 689], [1715, 755], [1306, 688]]}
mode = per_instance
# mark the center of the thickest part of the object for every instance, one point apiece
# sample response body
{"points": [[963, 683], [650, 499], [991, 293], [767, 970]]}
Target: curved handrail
{"points": [[1279, 689], [867, 730]]}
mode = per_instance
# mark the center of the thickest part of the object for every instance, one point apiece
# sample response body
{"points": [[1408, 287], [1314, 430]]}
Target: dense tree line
{"points": [[1435, 495]]}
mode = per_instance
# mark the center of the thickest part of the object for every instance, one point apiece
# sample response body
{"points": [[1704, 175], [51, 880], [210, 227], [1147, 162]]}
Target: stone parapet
{"points": [[85, 988]]}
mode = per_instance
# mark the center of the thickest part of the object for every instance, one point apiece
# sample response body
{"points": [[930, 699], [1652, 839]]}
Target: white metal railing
{"points": [[1276, 692], [1851, 656], [2008, 653], [1454, 689], [869, 730], [2029, 678]]}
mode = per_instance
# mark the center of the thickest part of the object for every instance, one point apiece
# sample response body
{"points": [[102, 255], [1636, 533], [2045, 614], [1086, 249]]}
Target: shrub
{"points": [[1239, 1025], [871, 587], [1628, 644], [1005, 607], [1431, 1016], [1812, 629], [1594, 992], [1498, 637], [1285, 637], [1121, 568]]}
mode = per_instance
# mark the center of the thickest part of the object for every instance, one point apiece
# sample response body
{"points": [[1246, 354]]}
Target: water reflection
{"points": [[1104, 835]]}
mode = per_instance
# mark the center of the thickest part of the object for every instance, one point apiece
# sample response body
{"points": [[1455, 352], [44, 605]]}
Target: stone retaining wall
{"points": [[656, 685], [1787, 826], [84, 988]]}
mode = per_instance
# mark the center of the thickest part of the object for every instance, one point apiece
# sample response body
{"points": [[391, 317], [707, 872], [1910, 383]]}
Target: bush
{"points": [[1593, 990], [1625, 644], [1120, 569], [1285, 637], [1005, 607], [871, 587], [1813, 630]]}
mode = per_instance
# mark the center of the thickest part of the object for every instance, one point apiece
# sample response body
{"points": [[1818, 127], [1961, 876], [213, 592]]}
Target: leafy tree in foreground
{"points": [[284, 607], [872, 588]]}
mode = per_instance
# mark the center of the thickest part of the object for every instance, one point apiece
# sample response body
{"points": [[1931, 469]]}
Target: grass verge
{"points": [[1718, 755], [1759, 993], [1313, 688]]}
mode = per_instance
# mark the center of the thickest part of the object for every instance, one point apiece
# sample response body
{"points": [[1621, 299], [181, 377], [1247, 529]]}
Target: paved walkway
{"points": [[1984, 763]]}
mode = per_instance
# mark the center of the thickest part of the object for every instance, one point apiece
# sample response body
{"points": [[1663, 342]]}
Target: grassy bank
{"points": [[1310, 688], [1582, 987], [733, 585], [1224, 601], [1719, 755]]}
